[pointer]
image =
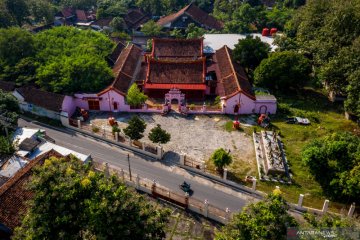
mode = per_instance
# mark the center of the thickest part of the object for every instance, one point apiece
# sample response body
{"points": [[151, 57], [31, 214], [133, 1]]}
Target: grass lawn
{"points": [[326, 118]]}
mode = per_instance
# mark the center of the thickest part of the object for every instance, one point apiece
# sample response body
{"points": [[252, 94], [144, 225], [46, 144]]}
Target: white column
{"points": [[351, 210], [253, 185], [79, 123], [106, 170], [326, 206], [137, 181], [116, 136], [122, 175], [227, 216], [143, 146], [159, 151], [225, 173], [206, 208], [182, 159], [301, 198]]}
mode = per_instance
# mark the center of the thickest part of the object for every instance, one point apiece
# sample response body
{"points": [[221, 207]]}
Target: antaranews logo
{"points": [[322, 233]]}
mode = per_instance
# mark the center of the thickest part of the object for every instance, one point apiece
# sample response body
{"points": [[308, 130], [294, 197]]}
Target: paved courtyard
{"points": [[195, 135]]}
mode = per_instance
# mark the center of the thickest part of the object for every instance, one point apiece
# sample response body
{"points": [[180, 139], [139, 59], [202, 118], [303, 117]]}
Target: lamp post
{"points": [[128, 158]]}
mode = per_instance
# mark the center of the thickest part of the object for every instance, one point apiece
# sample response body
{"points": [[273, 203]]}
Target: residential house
{"points": [[134, 18], [14, 194], [42, 103], [190, 14]]}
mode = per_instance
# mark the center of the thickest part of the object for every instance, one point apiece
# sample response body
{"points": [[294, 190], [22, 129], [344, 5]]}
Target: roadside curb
{"points": [[71, 130], [227, 183]]}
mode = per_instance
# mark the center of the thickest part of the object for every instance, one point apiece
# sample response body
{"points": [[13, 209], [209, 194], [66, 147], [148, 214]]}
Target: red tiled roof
{"points": [[14, 195], [164, 72], [117, 51], [81, 15], [47, 100], [232, 77], [135, 17], [197, 14], [177, 86], [124, 69], [7, 86], [102, 22], [67, 12], [177, 48]]}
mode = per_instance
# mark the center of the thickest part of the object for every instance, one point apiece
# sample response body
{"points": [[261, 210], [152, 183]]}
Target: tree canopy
{"points": [[159, 135], [283, 70], [250, 52], [332, 44], [221, 158], [267, 219], [72, 201], [135, 97], [150, 28], [136, 128], [338, 155], [9, 110], [63, 59]]}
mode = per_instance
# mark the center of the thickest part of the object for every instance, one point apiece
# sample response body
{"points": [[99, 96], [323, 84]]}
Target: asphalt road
{"points": [[145, 167]]}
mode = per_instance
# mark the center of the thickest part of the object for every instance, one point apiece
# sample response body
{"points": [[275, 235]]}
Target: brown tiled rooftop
{"points": [[14, 195], [177, 48], [231, 75], [135, 17], [124, 69], [7, 86], [176, 73], [47, 100], [198, 15]]}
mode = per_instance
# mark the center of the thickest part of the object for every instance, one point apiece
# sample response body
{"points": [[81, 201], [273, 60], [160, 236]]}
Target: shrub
{"points": [[95, 129]]}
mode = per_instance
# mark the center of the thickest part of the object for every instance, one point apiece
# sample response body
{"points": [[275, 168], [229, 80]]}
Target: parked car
{"points": [[298, 120]]}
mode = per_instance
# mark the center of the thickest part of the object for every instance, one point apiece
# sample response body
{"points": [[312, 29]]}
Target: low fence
{"points": [[191, 163], [117, 138], [156, 191]]}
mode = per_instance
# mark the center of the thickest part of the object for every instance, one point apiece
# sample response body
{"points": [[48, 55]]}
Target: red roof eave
{"points": [[178, 86]]}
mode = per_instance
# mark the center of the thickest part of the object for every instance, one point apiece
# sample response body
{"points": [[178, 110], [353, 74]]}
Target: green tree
{"points": [[72, 201], [267, 219], [283, 70], [154, 7], [15, 44], [79, 4], [352, 102], [117, 24], [18, 9], [177, 33], [250, 52], [6, 19], [151, 28], [9, 111], [221, 158], [135, 97], [72, 61], [338, 155], [6, 147], [192, 31], [41, 10], [159, 135], [83, 73], [135, 129]]}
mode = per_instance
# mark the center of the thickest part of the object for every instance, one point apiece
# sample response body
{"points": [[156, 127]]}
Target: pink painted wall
{"points": [[249, 106], [246, 104], [69, 105], [108, 100], [269, 105]]}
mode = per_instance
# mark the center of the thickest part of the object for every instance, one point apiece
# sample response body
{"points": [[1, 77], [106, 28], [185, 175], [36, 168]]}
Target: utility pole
{"points": [[128, 158]]}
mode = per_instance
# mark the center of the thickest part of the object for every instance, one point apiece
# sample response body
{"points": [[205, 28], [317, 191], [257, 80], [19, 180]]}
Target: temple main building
{"points": [[178, 69]]}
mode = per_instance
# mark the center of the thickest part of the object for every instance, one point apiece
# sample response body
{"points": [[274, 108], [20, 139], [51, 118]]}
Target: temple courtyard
{"points": [[197, 136]]}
